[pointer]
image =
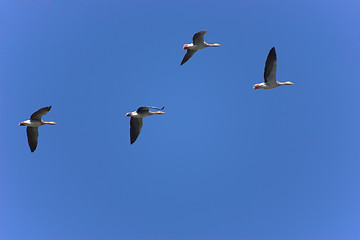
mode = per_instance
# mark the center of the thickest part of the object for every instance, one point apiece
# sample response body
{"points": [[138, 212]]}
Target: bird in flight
{"points": [[270, 73], [33, 125], [136, 120], [198, 43]]}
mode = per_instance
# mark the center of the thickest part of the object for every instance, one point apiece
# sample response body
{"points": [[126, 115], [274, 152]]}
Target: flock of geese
{"points": [[137, 116]]}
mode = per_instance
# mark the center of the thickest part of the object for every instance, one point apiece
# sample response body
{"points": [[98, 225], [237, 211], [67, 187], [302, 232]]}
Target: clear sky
{"points": [[225, 162]]}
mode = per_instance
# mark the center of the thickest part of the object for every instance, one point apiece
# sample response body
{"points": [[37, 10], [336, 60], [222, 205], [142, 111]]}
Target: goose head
{"points": [[256, 86], [131, 114]]}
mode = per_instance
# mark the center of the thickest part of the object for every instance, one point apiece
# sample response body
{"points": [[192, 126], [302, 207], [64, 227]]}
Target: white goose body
{"points": [[196, 47], [141, 114], [269, 85], [32, 123]]}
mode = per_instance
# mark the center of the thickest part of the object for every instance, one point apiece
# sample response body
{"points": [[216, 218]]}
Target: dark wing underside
{"points": [[32, 134], [199, 37], [39, 113], [142, 109], [188, 55], [135, 128], [146, 109], [270, 67]]}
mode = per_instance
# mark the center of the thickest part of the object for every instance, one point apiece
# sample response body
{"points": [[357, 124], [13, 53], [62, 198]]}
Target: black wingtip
{"points": [[272, 53]]}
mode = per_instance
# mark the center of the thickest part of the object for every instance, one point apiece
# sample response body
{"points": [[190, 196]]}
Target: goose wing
{"points": [[146, 109], [32, 134], [270, 67], [188, 55], [39, 113], [198, 37], [135, 128]]}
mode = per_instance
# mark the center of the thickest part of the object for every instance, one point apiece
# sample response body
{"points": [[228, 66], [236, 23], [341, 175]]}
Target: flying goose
{"points": [[136, 120], [198, 43], [33, 124], [270, 73]]}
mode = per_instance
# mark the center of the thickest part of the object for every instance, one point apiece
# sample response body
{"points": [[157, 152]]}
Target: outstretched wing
{"points": [[270, 67], [142, 109], [135, 128], [146, 109], [32, 134], [188, 55], [199, 37], [39, 113]]}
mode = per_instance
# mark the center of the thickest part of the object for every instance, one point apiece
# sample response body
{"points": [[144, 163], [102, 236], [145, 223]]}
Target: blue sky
{"points": [[224, 162]]}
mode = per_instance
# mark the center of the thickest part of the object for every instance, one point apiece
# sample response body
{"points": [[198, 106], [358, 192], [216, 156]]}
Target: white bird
{"points": [[270, 73], [33, 124], [136, 120], [197, 44]]}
